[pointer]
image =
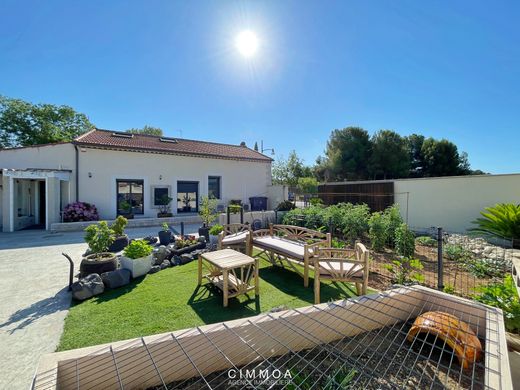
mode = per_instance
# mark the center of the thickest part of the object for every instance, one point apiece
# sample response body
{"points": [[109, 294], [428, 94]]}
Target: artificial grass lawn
{"points": [[170, 300]]}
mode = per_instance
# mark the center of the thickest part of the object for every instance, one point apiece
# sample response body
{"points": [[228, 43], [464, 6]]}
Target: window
{"points": [[130, 196], [159, 193], [214, 187], [187, 196]]}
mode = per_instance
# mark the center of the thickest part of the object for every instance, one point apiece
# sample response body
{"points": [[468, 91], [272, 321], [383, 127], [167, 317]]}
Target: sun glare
{"points": [[247, 43]]}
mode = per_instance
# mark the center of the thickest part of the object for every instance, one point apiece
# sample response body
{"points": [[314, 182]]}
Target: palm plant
{"points": [[502, 220]]}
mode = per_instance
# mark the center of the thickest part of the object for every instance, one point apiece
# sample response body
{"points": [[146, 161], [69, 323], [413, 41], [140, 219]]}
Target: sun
{"points": [[247, 43]]}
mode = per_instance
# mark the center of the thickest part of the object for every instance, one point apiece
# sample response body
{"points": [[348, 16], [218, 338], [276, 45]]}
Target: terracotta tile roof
{"points": [[117, 140]]}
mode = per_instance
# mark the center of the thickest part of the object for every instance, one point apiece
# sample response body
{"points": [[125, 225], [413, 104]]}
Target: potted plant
{"points": [[165, 235], [164, 207], [137, 258], [99, 237], [187, 244], [126, 207], [214, 232], [186, 200], [208, 213], [120, 238]]}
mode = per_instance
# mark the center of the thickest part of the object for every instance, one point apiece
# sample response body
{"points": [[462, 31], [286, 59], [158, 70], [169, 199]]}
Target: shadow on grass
{"points": [[206, 301], [291, 283]]}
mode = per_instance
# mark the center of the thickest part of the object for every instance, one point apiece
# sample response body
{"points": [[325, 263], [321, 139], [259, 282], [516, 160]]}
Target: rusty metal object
{"points": [[454, 332]]}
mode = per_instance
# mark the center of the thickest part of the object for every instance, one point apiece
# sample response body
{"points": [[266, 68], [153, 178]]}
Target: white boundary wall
{"points": [[453, 202]]}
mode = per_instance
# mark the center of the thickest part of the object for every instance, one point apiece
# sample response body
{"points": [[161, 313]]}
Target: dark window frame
{"points": [[131, 181], [219, 178], [196, 200]]}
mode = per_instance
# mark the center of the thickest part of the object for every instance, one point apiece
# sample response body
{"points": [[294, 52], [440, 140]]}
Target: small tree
{"points": [[207, 210], [377, 231], [307, 185], [404, 241], [99, 237]]}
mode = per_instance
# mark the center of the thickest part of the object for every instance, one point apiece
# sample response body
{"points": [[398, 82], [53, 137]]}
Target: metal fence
{"points": [[457, 263]]}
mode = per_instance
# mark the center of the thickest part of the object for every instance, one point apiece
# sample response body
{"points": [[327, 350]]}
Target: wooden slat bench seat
{"points": [[290, 245]]}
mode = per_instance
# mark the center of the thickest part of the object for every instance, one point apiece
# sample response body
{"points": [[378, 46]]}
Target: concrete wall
{"points": [[239, 179], [453, 202]]}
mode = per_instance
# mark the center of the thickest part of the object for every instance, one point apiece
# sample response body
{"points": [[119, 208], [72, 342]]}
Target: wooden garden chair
{"points": [[341, 265], [236, 236]]}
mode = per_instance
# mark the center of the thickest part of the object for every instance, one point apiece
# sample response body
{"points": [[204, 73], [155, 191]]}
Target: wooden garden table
{"points": [[233, 272]]}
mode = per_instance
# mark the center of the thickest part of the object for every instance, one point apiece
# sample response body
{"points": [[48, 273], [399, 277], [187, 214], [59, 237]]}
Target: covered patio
{"points": [[32, 198]]}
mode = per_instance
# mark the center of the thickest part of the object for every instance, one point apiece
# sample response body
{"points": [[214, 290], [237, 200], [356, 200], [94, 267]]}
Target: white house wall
{"points": [[58, 156], [453, 202], [239, 179]]}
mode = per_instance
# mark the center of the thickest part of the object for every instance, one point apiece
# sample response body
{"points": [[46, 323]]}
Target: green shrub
{"points": [[354, 221], [286, 205], [119, 225], [485, 268], [502, 220], [234, 208], [165, 227], [449, 289], [216, 229], [137, 249], [404, 241], [504, 296], [393, 219], [426, 241], [99, 237], [406, 270], [377, 231], [337, 243], [457, 253], [311, 217], [316, 201]]}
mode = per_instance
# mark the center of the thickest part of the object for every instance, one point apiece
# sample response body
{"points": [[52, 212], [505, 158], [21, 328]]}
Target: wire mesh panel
{"points": [[362, 343]]}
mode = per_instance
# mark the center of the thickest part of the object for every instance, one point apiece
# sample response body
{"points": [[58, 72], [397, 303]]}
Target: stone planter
{"points": [[97, 264], [119, 244], [165, 236], [164, 215], [137, 267], [188, 249], [213, 240]]}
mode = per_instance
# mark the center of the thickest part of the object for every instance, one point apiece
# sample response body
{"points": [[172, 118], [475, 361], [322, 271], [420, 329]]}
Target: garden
{"points": [[122, 299], [476, 265]]}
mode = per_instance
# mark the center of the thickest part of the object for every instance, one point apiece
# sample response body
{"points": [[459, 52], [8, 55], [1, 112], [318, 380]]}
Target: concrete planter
{"points": [[137, 267], [213, 240]]}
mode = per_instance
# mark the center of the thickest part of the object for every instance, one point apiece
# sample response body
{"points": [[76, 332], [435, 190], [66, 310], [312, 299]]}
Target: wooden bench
{"points": [[290, 245]]}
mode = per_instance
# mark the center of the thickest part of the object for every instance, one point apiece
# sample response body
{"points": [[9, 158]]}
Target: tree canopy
{"points": [[150, 130], [347, 154], [289, 171], [352, 155], [390, 157], [23, 123]]}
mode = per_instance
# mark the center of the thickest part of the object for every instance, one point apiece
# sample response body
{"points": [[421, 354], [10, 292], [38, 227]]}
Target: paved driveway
{"points": [[33, 297]]}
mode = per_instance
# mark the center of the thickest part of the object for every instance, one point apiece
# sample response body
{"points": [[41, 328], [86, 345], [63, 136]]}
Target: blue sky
{"points": [[441, 68]]}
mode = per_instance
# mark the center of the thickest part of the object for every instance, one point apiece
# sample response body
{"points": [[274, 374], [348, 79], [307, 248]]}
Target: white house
{"points": [[106, 168]]}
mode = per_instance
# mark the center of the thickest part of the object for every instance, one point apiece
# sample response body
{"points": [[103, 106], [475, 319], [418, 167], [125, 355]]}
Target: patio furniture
{"points": [[233, 272], [341, 265], [235, 236], [290, 245]]}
